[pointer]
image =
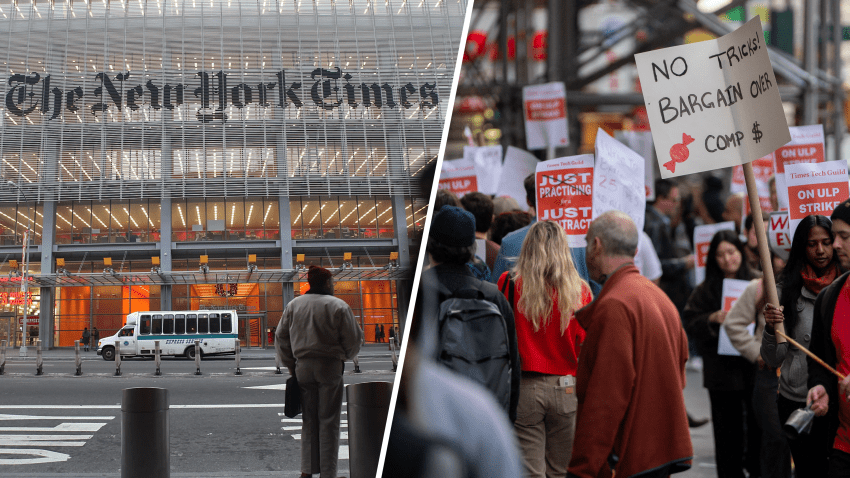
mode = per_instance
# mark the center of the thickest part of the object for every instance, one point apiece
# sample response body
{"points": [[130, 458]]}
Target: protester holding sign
{"points": [[810, 268], [729, 379]]}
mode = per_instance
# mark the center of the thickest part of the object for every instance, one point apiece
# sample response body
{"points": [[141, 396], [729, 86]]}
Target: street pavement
{"points": [[221, 424]]}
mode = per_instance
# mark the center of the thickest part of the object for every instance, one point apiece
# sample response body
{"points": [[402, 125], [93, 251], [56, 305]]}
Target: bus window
{"points": [[168, 324], [203, 324], [128, 332], [191, 323], [226, 328], [145, 325], [157, 324], [180, 323], [215, 325]]}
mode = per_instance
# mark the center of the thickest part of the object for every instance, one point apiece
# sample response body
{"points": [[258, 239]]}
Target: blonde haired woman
{"points": [[544, 291]]}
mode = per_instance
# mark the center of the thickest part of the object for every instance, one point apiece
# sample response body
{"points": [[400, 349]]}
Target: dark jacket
{"points": [[720, 372], [458, 277], [823, 347], [674, 272]]}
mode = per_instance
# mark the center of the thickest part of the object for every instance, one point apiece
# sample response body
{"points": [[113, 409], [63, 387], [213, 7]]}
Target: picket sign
{"points": [[702, 239], [732, 290], [564, 189], [618, 178], [488, 166], [459, 176], [545, 109], [779, 234], [518, 165], [763, 170], [641, 143], [806, 146], [716, 104], [814, 188]]}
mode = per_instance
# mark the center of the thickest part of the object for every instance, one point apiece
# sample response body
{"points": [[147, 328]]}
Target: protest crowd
{"points": [[530, 356]]}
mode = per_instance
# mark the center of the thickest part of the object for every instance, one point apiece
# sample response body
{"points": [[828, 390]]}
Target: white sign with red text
{"points": [[641, 143], [518, 165], [779, 235], [806, 146], [702, 239], [488, 166], [618, 179], [762, 170], [713, 104], [565, 194], [459, 176], [732, 290], [814, 188], [545, 109]]}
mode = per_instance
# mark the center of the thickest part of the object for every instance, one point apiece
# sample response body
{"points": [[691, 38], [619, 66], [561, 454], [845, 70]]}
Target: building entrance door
{"points": [[251, 329]]}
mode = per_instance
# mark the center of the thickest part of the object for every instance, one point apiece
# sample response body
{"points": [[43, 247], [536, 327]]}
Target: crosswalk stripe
{"points": [[62, 427], [342, 436], [48, 417], [45, 437], [40, 443]]}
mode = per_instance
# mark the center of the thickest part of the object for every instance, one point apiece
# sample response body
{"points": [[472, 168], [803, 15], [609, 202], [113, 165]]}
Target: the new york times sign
{"points": [[215, 92]]}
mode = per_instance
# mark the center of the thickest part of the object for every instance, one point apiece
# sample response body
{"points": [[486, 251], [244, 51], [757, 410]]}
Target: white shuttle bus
{"points": [[176, 331]]}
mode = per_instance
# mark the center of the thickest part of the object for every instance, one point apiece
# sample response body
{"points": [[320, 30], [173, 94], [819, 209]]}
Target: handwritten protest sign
{"points": [[814, 188], [713, 104], [618, 179], [779, 235], [565, 194], [702, 239], [732, 290], [545, 115], [488, 166], [458, 176], [518, 165], [806, 146], [641, 143]]}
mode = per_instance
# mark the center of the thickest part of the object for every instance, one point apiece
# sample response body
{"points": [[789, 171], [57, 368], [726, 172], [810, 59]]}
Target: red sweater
{"points": [[841, 339], [547, 350]]}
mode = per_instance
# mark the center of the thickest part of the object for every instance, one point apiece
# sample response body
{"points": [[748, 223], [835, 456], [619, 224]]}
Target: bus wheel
{"points": [[108, 353], [190, 353]]}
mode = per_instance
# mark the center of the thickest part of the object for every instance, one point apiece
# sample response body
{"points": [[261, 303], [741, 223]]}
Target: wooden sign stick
{"points": [[813, 356], [764, 251]]}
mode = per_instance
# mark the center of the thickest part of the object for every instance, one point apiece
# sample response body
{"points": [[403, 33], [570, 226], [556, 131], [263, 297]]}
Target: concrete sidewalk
{"points": [[252, 353]]}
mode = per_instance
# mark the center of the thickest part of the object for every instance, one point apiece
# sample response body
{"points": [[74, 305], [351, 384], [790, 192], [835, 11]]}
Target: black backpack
{"points": [[473, 341]]}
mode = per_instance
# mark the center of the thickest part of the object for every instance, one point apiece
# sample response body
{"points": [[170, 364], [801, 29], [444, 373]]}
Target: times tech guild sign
{"points": [[331, 89]]}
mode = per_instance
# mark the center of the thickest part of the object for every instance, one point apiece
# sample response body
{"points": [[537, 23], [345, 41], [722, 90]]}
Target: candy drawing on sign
{"points": [[679, 152]]}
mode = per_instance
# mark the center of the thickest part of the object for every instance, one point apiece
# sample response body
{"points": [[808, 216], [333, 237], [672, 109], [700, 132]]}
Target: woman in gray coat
{"points": [[811, 267]]}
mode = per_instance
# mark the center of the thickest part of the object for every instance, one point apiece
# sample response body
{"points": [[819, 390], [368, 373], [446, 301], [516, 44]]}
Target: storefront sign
{"points": [[32, 321], [702, 239], [15, 298], [545, 115], [618, 179], [713, 104], [565, 194], [330, 89], [814, 188]]}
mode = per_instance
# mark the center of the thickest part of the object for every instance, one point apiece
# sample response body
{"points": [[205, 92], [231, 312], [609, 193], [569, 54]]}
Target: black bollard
{"points": [[145, 448], [3, 357], [197, 357], [238, 357], [39, 360], [156, 356], [117, 358], [368, 407], [77, 358]]}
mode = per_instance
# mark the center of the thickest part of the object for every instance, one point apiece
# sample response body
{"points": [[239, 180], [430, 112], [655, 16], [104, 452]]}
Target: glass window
{"points": [[367, 208], [101, 222], [191, 323], [156, 327], [310, 218], [215, 324], [295, 217], [226, 326], [235, 217], [203, 324], [168, 324], [196, 218], [81, 213], [120, 214], [330, 218], [145, 325], [216, 224], [180, 323], [140, 228], [64, 227], [180, 229], [385, 218], [348, 218], [271, 219]]}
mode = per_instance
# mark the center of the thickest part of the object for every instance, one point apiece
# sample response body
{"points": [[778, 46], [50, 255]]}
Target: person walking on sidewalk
{"points": [[95, 334], [86, 339], [315, 336]]}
